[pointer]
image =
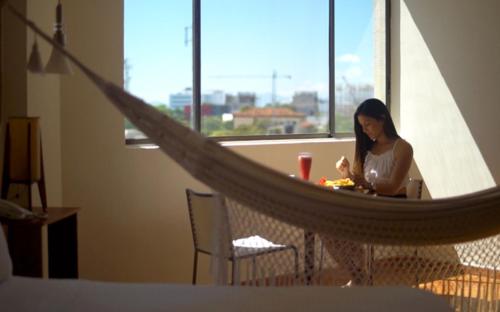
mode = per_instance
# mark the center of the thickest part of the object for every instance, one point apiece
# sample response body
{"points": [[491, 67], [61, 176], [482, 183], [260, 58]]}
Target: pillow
{"points": [[5, 262]]}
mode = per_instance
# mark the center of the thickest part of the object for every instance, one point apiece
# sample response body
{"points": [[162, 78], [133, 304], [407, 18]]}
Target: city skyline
{"points": [[342, 94]]}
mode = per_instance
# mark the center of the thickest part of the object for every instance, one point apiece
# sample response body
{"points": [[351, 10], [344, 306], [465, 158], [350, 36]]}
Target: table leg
{"points": [[63, 248], [309, 256]]}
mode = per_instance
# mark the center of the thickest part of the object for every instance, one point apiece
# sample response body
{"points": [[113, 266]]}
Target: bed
{"points": [[29, 294], [33, 294]]}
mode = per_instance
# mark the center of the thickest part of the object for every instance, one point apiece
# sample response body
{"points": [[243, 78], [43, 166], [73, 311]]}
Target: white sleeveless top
{"points": [[379, 166]]}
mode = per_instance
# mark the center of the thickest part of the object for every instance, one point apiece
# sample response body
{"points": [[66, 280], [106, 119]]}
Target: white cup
{"points": [[412, 188]]}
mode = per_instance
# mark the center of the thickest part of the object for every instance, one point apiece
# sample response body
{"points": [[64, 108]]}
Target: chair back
{"points": [[414, 188], [201, 208]]}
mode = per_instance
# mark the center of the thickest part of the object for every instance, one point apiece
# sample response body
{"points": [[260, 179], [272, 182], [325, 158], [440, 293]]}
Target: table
{"points": [[44, 247], [310, 241]]}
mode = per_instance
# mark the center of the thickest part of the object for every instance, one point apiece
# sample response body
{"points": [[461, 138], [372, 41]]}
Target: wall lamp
{"points": [[58, 63]]}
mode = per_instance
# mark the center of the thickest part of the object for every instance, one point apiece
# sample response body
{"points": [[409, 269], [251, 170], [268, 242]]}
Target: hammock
{"points": [[450, 246]]}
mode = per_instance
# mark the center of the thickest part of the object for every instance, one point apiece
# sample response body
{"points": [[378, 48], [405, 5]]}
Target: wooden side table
{"points": [[45, 248]]}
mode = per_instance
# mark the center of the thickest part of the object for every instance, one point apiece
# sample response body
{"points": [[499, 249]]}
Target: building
{"points": [[184, 99], [306, 102], [242, 99], [216, 97], [181, 99], [349, 94], [207, 110], [280, 119]]}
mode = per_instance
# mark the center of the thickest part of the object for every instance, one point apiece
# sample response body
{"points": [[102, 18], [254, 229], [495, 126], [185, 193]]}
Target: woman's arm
{"points": [[358, 177], [403, 156], [344, 168]]}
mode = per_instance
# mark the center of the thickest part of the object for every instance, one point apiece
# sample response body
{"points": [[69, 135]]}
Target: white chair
{"points": [[414, 188], [201, 208]]}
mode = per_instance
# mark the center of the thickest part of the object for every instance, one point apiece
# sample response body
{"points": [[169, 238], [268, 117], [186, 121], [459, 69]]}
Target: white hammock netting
{"points": [[448, 246], [466, 273]]}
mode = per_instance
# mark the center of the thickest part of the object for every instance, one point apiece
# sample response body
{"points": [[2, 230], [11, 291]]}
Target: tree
{"points": [[128, 124], [282, 105], [176, 114], [245, 108], [209, 124], [343, 123]]}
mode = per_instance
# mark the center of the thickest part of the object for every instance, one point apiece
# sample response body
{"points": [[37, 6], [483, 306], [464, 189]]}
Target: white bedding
{"points": [[30, 294]]}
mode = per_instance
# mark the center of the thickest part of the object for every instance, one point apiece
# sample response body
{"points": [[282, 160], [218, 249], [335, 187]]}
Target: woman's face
{"points": [[372, 127]]}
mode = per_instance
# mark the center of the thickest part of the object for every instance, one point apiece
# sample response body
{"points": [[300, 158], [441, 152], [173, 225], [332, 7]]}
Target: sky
{"points": [[243, 43]]}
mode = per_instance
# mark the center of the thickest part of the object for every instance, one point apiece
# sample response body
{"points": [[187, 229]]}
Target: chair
{"points": [[418, 185], [201, 208]]}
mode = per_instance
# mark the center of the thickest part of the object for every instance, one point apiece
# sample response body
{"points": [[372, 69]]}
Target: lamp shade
{"points": [[58, 64], [35, 61], [23, 160]]}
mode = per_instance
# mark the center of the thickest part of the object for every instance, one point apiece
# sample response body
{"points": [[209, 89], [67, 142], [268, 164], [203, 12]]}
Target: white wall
{"points": [[446, 68]]}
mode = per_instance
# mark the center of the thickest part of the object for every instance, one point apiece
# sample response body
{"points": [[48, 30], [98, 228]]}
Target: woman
{"points": [[381, 163], [382, 159]]}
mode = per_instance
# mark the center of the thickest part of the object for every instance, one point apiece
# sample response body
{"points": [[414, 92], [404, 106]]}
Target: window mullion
{"points": [[388, 88], [196, 35], [331, 65]]}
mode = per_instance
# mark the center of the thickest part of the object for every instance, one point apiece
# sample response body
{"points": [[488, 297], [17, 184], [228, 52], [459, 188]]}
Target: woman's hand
{"points": [[343, 166]]}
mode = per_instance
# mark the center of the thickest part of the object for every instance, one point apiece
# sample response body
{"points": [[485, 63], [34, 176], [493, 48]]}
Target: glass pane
{"points": [[359, 57], [158, 58], [264, 67]]}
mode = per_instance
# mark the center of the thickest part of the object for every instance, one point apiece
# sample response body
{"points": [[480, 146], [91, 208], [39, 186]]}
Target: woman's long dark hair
{"points": [[373, 108]]}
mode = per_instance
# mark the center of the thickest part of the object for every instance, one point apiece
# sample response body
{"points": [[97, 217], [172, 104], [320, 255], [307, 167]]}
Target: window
{"points": [[158, 64], [256, 68], [360, 57]]}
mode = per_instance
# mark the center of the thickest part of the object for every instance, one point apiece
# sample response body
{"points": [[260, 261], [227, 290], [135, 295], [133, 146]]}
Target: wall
{"points": [[446, 67], [43, 99], [13, 80], [26, 94], [13, 74]]}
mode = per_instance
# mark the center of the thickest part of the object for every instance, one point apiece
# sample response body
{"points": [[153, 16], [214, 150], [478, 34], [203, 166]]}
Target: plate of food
{"points": [[343, 184]]}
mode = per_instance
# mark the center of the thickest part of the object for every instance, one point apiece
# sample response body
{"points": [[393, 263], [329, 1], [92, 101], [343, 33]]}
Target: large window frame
{"points": [[197, 94]]}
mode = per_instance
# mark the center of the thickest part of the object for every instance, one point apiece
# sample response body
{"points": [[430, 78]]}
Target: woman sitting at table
{"points": [[381, 163], [382, 158]]}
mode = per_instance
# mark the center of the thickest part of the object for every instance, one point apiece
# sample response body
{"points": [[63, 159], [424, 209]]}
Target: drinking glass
{"points": [[305, 161]]}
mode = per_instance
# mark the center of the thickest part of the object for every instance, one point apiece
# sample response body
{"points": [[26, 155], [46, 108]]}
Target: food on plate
{"points": [[336, 183], [343, 182]]}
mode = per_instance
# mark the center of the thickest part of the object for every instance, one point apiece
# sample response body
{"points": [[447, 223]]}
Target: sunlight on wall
{"points": [[444, 149]]}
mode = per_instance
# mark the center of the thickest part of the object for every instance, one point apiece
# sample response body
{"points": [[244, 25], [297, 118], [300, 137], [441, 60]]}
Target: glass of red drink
{"points": [[305, 161]]}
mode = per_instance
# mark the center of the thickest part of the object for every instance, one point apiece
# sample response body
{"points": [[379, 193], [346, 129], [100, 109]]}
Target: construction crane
{"points": [[186, 35], [350, 89], [273, 89], [274, 76]]}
